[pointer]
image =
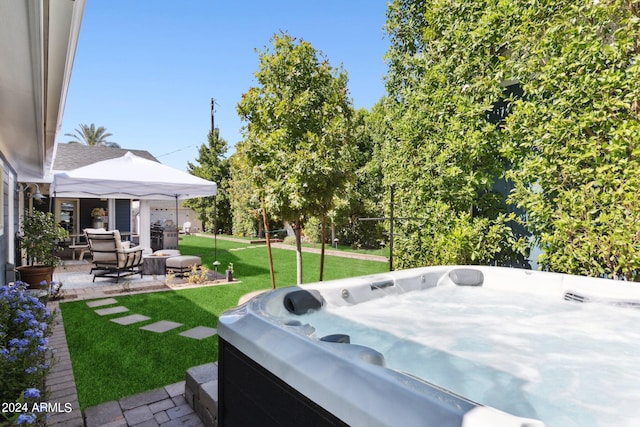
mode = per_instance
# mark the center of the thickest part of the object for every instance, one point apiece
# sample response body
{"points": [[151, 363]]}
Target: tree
{"points": [[90, 135], [439, 149], [574, 139], [213, 166], [244, 199], [569, 143], [297, 144], [363, 194]]}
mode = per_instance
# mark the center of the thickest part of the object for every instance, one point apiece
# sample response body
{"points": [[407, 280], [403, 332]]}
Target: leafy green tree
{"points": [[244, 199], [574, 139], [297, 143], [439, 149], [212, 165], [363, 194], [91, 135]]}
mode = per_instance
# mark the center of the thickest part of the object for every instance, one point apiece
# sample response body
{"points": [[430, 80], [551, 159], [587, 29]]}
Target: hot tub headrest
{"points": [[466, 277], [301, 301]]}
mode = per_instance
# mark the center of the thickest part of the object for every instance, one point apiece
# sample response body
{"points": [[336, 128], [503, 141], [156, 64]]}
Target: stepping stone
{"points": [[128, 320], [199, 332], [101, 302], [161, 326], [112, 310]]}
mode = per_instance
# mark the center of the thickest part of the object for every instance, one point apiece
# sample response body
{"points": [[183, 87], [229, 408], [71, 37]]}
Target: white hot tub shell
{"points": [[302, 356]]}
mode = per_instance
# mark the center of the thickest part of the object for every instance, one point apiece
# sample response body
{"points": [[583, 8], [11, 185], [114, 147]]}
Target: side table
{"points": [[154, 265]]}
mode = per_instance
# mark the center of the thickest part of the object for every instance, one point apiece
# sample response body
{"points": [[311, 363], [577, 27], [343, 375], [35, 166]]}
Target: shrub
{"points": [[25, 325], [289, 240], [198, 277], [40, 234]]}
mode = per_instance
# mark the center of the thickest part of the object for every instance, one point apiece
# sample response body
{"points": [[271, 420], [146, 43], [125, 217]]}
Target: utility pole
{"points": [[213, 120]]}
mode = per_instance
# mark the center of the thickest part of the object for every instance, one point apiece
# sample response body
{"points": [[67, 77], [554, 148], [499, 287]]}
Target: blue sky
{"points": [[147, 69]]}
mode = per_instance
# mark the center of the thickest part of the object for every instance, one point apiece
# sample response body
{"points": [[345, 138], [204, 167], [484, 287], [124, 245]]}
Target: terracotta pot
{"points": [[36, 274]]}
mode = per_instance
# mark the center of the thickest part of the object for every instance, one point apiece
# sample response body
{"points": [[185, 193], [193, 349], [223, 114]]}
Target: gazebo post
{"points": [[215, 230], [176, 211]]}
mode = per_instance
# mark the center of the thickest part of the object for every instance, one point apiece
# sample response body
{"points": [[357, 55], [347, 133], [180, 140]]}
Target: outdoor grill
{"points": [[164, 237]]}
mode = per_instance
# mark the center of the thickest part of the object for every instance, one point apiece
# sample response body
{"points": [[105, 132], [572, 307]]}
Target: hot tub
{"points": [[435, 346]]}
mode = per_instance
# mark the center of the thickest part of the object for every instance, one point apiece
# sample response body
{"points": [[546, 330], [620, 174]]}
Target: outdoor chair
{"points": [[111, 256], [186, 228]]}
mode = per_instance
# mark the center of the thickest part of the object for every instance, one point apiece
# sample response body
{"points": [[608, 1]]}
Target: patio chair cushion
{"points": [[100, 248]]}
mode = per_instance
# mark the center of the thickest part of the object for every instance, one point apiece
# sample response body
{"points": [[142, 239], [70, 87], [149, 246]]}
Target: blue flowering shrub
{"points": [[25, 325]]}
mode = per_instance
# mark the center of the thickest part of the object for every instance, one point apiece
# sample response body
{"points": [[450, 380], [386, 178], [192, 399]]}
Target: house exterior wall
{"points": [[6, 228], [165, 210], [10, 220], [38, 42], [123, 214], [86, 206]]}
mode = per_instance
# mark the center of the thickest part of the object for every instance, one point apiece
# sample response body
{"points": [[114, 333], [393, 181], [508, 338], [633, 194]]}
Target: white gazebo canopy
{"points": [[132, 177]]}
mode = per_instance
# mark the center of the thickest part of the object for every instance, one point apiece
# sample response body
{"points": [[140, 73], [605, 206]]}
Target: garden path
{"points": [[165, 406]]}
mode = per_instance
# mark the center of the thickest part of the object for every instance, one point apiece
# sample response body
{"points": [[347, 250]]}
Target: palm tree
{"points": [[90, 135]]}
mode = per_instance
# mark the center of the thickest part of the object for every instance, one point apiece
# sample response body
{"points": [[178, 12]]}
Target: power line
{"points": [[175, 151]]}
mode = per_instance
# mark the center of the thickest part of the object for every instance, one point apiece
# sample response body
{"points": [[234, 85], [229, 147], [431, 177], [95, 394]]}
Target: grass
{"points": [[111, 361], [347, 248], [344, 248]]}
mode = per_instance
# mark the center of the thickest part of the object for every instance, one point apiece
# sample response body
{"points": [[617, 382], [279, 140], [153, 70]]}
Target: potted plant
{"points": [[40, 235], [98, 217], [229, 272]]}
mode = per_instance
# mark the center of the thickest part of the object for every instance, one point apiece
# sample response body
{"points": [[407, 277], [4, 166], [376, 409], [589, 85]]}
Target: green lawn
{"points": [[344, 248], [111, 361]]}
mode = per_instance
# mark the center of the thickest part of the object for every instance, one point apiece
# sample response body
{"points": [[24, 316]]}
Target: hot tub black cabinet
{"points": [[249, 395]]}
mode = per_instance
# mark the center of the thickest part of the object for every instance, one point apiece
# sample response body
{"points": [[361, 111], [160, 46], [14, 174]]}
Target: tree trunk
{"points": [[323, 238], [298, 232], [333, 232], [260, 228], [266, 232]]}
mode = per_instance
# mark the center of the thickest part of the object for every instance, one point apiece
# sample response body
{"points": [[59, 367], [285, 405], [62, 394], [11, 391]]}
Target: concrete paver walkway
{"points": [[60, 381], [161, 326], [164, 407]]}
